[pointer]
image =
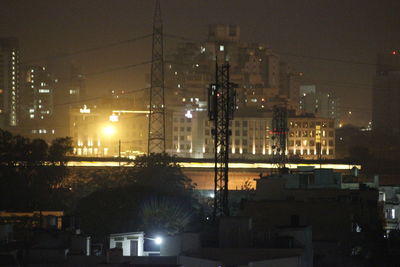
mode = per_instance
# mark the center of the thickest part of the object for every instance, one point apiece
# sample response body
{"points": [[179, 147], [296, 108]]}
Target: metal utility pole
{"points": [[221, 106], [156, 137], [279, 135]]}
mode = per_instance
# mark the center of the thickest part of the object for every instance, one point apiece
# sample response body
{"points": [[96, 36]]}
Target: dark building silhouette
{"points": [[386, 94]]}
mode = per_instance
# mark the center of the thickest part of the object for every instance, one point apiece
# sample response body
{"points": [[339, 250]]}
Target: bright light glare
{"points": [[109, 130], [158, 240], [188, 114], [114, 118]]}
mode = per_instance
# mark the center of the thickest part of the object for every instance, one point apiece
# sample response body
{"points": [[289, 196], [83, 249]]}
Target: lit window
{"points": [[44, 91], [221, 48]]}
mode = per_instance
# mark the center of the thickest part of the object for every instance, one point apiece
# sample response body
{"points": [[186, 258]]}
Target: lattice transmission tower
{"points": [[156, 135], [279, 135], [221, 106]]}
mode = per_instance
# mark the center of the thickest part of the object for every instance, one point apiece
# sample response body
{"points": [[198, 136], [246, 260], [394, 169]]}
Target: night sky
{"points": [[350, 30]]}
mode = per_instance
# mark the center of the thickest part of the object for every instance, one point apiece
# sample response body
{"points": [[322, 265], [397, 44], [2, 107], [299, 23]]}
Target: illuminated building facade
{"points": [[104, 132], [386, 94], [9, 82], [311, 137]]}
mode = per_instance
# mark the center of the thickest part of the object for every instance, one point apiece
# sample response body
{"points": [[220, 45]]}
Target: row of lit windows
{"points": [[310, 143], [310, 133], [43, 131], [310, 152], [182, 129], [182, 120], [305, 124], [182, 138]]}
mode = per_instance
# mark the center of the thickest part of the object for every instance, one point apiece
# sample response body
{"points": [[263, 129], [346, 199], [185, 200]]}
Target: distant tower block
{"points": [[156, 137]]}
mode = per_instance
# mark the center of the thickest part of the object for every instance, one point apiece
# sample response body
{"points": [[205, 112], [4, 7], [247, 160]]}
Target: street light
{"points": [[158, 239], [110, 130]]}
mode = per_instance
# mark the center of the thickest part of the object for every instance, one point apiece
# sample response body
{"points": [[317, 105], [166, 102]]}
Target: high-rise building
{"points": [[386, 94], [69, 91], [9, 82], [320, 104], [36, 111], [254, 67]]}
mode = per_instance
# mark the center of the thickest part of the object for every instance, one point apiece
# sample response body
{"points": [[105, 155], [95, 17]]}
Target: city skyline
{"points": [[300, 32]]}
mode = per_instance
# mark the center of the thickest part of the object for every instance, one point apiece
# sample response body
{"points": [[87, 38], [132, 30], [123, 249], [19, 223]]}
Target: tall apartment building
{"points": [[254, 67], [320, 104], [69, 90], [386, 94], [9, 82], [37, 103]]}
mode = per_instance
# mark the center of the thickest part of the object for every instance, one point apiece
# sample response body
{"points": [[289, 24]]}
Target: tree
{"points": [[28, 182], [161, 171], [152, 195], [59, 149]]}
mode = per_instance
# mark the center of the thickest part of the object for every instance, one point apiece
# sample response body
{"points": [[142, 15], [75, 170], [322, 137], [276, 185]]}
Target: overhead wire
{"points": [[88, 50]]}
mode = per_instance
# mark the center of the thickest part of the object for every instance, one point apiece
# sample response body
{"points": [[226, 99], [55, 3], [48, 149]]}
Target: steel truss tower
{"points": [[221, 106], [156, 135], [279, 135]]}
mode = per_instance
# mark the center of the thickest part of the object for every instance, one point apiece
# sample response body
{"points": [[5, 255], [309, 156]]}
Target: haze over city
{"points": [[347, 30], [200, 133]]}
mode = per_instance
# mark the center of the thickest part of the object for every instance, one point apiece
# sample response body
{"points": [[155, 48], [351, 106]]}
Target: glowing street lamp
{"points": [[109, 130], [158, 239]]}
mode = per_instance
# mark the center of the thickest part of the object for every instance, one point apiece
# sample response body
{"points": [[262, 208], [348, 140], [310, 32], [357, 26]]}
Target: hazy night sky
{"points": [[351, 30]]}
